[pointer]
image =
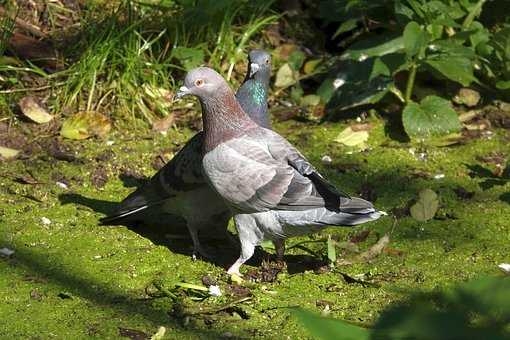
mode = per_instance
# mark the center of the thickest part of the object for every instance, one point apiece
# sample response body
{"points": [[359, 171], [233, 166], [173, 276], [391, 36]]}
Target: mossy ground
{"points": [[74, 279]]}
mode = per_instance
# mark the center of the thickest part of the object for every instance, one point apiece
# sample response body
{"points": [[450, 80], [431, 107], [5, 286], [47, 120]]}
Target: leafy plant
{"points": [[440, 37], [479, 309]]}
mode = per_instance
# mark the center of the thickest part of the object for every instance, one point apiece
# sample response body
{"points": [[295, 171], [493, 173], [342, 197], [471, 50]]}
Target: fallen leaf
{"points": [[426, 207], [310, 100], [8, 153], [160, 334], [133, 334], [331, 250], [376, 249], [285, 76], [352, 138], [32, 109], [311, 65], [467, 97], [162, 125], [360, 237], [85, 124]]}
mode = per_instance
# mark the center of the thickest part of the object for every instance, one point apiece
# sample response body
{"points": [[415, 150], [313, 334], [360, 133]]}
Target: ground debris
{"points": [[133, 334], [268, 272], [99, 177], [369, 254]]}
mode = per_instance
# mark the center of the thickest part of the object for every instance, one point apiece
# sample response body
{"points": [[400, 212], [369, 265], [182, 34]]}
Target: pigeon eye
{"points": [[267, 61], [199, 82]]}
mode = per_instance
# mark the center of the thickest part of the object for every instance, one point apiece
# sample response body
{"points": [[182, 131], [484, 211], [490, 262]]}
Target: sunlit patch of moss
{"points": [[72, 278]]}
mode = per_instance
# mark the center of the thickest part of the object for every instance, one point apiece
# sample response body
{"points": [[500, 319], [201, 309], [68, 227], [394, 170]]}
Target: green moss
{"points": [[74, 279]]}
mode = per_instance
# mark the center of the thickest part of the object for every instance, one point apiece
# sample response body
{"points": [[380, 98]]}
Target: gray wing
{"points": [[181, 173], [261, 171]]}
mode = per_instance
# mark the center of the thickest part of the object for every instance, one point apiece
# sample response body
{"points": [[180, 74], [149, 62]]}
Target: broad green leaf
{"points": [[296, 93], [327, 328], [373, 47], [85, 124], [503, 85], [458, 69], [415, 39], [379, 69], [310, 100], [311, 66], [296, 60], [352, 138], [426, 206], [435, 31], [285, 76], [7, 153], [432, 117], [31, 108], [346, 26], [326, 90]]}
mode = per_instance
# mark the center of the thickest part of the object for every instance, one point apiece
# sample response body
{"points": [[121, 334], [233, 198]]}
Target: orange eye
{"points": [[199, 82]]}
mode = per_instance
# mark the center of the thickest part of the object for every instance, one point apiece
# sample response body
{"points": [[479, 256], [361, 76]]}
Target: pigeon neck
{"points": [[223, 120], [253, 98]]}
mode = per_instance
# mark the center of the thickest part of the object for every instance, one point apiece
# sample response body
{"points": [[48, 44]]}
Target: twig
{"points": [[41, 88]]}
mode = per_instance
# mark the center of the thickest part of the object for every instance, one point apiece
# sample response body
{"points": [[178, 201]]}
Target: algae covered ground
{"points": [[69, 278]]}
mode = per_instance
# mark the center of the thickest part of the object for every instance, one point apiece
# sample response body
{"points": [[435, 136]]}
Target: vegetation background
{"points": [[404, 102]]}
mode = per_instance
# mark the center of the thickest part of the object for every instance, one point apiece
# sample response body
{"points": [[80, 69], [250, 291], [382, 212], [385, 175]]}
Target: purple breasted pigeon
{"points": [[179, 188], [270, 187]]}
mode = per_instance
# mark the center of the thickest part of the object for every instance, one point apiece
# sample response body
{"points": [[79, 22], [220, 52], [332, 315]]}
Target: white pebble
{"points": [[338, 82], [326, 159], [439, 176], [45, 221], [6, 251], [110, 142], [62, 185], [214, 290], [505, 267]]}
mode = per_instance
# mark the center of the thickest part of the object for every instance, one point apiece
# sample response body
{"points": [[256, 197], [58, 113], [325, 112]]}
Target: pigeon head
{"points": [[259, 63], [203, 83]]}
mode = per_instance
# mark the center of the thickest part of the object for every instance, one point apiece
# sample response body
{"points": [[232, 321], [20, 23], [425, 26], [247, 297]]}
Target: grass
{"points": [[136, 46], [74, 279]]}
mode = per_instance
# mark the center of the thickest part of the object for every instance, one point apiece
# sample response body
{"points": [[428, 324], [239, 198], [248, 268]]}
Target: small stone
{"points": [[439, 176], [505, 267], [45, 221], [62, 185], [467, 97], [326, 159], [214, 290], [6, 251]]}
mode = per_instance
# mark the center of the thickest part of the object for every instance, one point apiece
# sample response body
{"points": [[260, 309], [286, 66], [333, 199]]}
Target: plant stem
{"points": [[410, 83]]}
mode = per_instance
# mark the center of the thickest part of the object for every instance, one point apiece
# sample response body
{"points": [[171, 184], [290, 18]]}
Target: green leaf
{"points": [[432, 117], [331, 250], [327, 328], [352, 138], [346, 26], [503, 85], [426, 206], [310, 100], [458, 69], [311, 65], [415, 39], [7, 153], [85, 124], [326, 90], [373, 47], [285, 76], [296, 93], [189, 57], [296, 60], [379, 69]]}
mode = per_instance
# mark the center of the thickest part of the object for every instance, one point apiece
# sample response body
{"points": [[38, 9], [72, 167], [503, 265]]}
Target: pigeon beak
{"points": [[183, 91], [253, 69]]}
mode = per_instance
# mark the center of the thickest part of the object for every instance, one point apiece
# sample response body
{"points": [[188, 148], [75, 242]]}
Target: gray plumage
{"points": [[270, 187], [179, 188]]}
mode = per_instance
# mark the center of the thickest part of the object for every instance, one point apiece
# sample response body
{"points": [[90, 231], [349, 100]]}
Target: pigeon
{"points": [[179, 188], [271, 189]]}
